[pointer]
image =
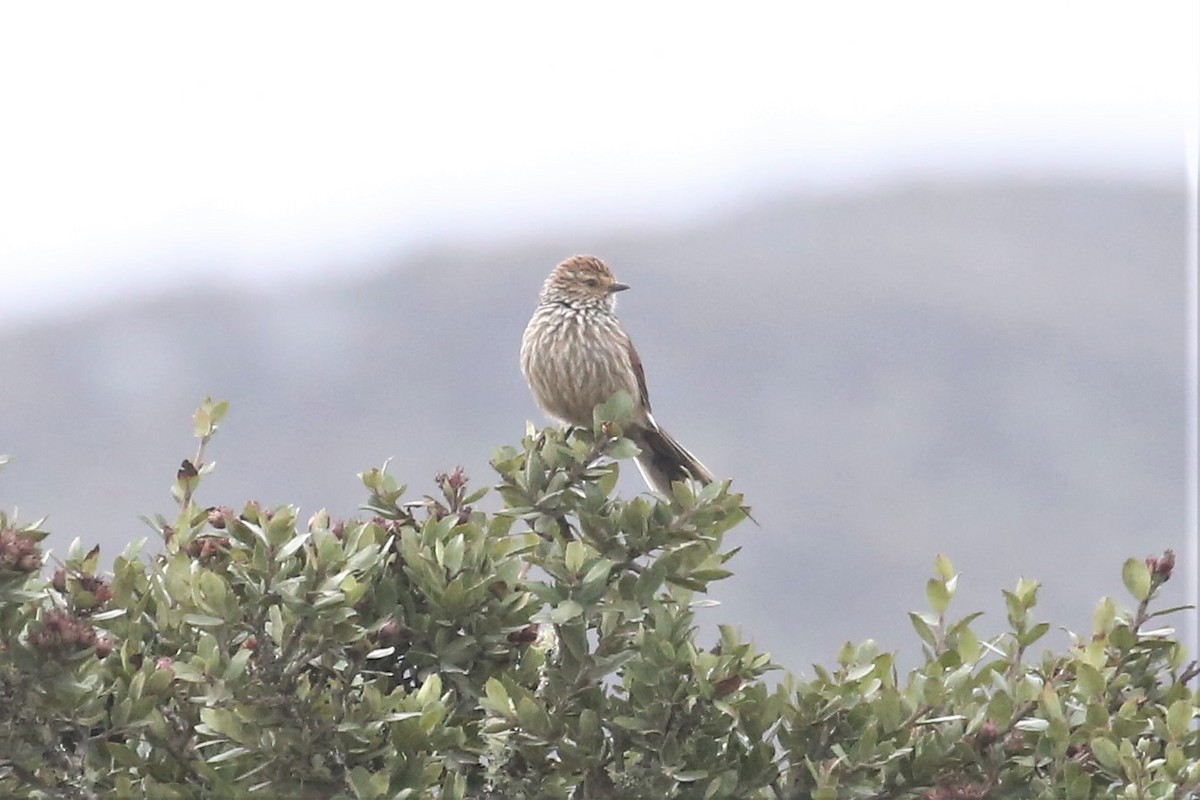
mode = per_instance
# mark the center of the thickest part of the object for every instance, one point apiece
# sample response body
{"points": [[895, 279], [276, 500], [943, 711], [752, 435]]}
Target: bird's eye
{"points": [[592, 282]]}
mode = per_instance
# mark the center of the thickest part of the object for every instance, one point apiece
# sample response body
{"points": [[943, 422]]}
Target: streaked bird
{"points": [[576, 355]]}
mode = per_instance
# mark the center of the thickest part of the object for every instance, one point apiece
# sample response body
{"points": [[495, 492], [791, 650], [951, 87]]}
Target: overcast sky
{"points": [[149, 142]]}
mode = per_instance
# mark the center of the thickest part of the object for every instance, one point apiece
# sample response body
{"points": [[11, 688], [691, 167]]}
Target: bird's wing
{"points": [[636, 362]]}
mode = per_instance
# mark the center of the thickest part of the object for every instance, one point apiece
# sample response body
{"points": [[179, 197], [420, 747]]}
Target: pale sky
{"points": [[145, 143]]}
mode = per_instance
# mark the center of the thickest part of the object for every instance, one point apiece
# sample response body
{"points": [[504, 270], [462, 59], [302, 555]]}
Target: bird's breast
{"points": [[574, 360]]}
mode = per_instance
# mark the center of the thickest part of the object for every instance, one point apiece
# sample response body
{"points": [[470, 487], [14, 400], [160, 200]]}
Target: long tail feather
{"points": [[664, 461]]}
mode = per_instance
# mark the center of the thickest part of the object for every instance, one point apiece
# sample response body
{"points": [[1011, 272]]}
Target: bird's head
{"points": [[582, 281]]}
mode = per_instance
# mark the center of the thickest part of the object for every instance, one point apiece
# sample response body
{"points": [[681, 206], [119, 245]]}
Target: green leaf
{"points": [[381, 652], [217, 409], [1179, 718], [533, 717], [632, 723], [363, 784], [281, 528], [608, 476], [1136, 576], [943, 568], [924, 630], [430, 689], [684, 494], [576, 552], [623, 448], [237, 664], [1091, 680], [1033, 634], [452, 554], [1035, 724], [968, 646], [227, 755], [214, 590], [709, 575], [937, 595], [1026, 592], [1103, 616], [497, 697], [565, 611], [856, 674], [202, 422], [689, 775], [1106, 753], [223, 722], [107, 615], [598, 572], [618, 409], [292, 546]]}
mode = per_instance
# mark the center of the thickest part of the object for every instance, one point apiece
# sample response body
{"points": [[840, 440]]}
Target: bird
{"points": [[575, 355]]}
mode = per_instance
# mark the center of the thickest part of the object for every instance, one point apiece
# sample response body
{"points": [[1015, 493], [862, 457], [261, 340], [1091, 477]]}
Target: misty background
{"points": [[914, 279]]}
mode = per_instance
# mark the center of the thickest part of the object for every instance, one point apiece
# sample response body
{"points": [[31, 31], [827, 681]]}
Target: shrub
{"points": [[549, 649]]}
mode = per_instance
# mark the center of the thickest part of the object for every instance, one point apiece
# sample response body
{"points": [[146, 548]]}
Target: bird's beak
{"points": [[613, 288]]}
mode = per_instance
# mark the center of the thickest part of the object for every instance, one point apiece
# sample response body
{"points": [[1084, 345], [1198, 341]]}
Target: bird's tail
{"points": [[664, 461]]}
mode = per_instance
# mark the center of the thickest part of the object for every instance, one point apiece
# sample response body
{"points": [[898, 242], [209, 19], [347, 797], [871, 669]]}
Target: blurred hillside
{"points": [[993, 370]]}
